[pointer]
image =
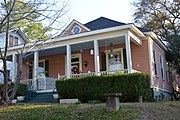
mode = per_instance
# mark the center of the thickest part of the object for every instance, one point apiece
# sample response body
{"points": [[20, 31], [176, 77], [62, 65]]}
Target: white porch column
{"points": [[96, 57], [14, 67], [128, 53], [35, 70], [68, 60]]}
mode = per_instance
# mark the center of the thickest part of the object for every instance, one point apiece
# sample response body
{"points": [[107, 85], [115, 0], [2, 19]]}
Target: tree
{"points": [[34, 31], [31, 11], [162, 17]]}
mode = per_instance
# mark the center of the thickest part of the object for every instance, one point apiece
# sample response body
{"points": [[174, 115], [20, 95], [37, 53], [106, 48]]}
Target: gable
{"points": [[74, 27], [15, 34]]}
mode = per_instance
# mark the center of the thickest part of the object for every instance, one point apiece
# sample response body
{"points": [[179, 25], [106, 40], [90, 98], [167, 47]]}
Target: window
{"points": [[13, 40], [167, 72], [76, 30], [155, 62], [162, 66]]}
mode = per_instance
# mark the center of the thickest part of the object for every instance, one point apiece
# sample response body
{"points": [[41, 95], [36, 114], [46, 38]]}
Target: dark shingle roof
{"points": [[101, 23], [143, 29]]}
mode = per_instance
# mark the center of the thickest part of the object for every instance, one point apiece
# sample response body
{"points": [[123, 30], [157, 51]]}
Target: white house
{"points": [[16, 37]]}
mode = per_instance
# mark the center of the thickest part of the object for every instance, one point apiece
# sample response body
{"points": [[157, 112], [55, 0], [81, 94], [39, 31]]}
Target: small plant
{"points": [[77, 103], [94, 101]]}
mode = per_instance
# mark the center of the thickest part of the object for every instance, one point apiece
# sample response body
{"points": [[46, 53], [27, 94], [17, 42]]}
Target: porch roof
{"points": [[107, 33]]}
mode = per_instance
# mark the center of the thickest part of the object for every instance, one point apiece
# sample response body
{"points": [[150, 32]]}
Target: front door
{"points": [[115, 60], [76, 63]]}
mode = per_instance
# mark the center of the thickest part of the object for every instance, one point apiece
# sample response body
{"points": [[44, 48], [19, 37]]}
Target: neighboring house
{"points": [[102, 46], [16, 37]]}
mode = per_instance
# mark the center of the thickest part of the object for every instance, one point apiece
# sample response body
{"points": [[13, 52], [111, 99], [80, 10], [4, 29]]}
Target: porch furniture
{"points": [[112, 101]]}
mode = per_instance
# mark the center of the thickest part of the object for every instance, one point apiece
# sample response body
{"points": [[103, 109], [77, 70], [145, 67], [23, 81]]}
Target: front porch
{"points": [[48, 83], [103, 57], [86, 54]]}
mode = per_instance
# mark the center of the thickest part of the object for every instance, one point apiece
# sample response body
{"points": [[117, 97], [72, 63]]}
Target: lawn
{"points": [[148, 111]]}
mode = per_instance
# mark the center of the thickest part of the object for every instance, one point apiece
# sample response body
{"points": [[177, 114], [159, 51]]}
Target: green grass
{"points": [[157, 110]]}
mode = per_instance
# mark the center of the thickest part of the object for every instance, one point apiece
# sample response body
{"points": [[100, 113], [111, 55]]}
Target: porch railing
{"points": [[39, 83], [113, 72], [82, 75], [93, 73], [50, 82]]}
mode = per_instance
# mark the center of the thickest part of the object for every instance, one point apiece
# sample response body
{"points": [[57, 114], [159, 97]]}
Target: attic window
{"points": [[76, 30], [13, 40]]}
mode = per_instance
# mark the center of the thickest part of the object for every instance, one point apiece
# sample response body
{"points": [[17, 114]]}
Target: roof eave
{"points": [[154, 36]]}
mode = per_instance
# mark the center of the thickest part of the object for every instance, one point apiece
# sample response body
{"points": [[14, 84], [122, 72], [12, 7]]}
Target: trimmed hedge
{"points": [[94, 87], [20, 91]]}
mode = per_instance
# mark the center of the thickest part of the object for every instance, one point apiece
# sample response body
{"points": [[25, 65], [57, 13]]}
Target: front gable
{"points": [[16, 37], [74, 27]]}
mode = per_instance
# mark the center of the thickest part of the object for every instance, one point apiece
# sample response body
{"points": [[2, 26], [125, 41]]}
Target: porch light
{"points": [[85, 63], [111, 55], [111, 49], [91, 52]]}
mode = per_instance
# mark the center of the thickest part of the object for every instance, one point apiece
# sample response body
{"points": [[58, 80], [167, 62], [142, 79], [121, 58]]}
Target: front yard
{"points": [[148, 111]]}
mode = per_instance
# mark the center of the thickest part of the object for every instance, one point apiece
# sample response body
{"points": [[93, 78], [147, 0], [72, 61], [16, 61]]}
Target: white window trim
{"points": [[114, 50], [13, 36], [167, 72], [74, 56], [74, 28], [161, 61], [154, 49]]}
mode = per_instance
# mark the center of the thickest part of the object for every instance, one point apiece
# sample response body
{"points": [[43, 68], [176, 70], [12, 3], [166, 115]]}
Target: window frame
{"points": [[167, 72], [155, 62], [161, 60], [75, 28], [13, 40]]}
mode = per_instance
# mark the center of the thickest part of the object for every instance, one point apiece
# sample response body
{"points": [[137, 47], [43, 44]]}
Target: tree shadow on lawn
{"points": [[63, 112]]}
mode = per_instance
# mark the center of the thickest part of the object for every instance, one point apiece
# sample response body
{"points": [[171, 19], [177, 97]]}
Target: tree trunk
{"points": [[5, 90], [18, 77]]}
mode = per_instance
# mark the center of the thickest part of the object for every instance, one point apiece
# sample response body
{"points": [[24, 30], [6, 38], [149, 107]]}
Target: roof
{"points": [[102, 22], [143, 29], [22, 35]]}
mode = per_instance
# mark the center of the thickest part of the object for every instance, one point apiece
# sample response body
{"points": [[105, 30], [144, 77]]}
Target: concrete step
{"points": [[40, 96]]}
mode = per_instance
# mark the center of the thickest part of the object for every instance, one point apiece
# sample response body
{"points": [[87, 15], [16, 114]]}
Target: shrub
{"points": [[94, 87], [20, 91]]}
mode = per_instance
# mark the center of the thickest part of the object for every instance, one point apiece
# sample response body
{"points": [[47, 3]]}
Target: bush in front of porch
{"points": [[94, 87]]}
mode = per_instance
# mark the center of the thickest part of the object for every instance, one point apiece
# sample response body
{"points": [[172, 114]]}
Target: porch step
{"points": [[40, 97], [46, 91]]}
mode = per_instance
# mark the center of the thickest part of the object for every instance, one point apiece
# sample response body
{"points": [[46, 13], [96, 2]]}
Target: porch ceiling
{"points": [[85, 45]]}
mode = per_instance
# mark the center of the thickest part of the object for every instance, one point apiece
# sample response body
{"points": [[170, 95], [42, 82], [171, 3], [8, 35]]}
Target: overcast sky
{"points": [[87, 10]]}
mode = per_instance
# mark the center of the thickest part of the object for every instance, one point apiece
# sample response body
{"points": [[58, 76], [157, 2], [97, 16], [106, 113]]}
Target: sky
{"points": [[87, 10]]}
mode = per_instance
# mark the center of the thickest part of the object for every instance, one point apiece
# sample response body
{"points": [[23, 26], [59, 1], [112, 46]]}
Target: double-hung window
{"points": [[13, 40], [155, 62], [162, 66], [167, 72]]}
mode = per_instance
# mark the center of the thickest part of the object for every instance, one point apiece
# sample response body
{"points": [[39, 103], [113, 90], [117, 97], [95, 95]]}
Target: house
{"points": [[16, 37], [102, 46]]}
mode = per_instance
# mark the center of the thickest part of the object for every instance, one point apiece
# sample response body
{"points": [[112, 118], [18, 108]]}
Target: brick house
{"points": [[102, 46]]}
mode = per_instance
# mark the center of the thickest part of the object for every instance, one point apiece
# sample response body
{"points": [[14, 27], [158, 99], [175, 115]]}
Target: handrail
{"points": [[32, 84]]}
